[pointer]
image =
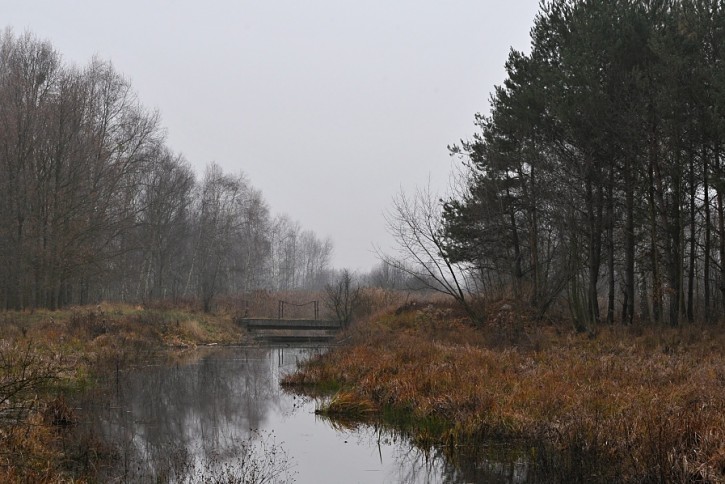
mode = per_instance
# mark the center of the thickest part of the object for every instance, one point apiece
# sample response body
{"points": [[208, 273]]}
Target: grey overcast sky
{"points": [[330, 107]]}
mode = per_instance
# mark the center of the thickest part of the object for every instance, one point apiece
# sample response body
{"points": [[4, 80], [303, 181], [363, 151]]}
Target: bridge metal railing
{"points": [[316, 307]]}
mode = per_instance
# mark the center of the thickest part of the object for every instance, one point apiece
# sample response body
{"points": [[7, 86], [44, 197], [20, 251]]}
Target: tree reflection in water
{"points": [[169, 421], [221, 416]]}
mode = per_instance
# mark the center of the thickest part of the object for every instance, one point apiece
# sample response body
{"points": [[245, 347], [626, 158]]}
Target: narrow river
{"points": [[219, 415]]}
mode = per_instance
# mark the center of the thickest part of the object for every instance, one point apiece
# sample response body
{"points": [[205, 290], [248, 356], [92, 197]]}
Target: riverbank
{"points": [[622, 405], [46, 355]]}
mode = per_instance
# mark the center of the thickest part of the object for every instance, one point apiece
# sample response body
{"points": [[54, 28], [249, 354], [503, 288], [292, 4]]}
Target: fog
{"points": [[329, 107]]}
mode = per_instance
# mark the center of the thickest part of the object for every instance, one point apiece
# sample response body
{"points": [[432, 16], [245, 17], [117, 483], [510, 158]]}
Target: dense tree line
{"points": [[598, 177], [94, 205]]}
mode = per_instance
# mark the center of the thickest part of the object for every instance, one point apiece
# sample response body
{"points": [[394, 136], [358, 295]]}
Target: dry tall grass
{"points": [[627, 405]]}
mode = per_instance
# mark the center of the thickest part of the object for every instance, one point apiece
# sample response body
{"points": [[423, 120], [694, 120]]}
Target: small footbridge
{"points": [[292, 330]]}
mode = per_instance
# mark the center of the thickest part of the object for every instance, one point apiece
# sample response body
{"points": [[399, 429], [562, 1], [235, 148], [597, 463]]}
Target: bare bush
{"points": [[22, 372], [343, 296]]}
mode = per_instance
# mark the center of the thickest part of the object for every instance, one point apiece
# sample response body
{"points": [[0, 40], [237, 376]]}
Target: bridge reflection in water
{"points": [[291, 330]]}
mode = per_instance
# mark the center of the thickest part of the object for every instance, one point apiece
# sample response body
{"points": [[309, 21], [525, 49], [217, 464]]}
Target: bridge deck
{"points": [[291, 329], [297, 324]]}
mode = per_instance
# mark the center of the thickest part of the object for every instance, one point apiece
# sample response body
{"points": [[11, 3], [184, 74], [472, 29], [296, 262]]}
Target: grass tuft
{"points": [[347, 405]]}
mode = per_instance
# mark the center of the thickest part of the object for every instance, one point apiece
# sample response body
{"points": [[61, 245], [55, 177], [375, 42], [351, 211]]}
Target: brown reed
{"points": [[635, 405]]}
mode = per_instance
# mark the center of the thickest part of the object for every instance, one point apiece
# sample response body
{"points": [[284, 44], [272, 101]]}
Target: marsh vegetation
{"points": [[626, 405]]}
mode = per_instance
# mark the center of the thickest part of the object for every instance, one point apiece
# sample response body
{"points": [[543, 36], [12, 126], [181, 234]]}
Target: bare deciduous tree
{"points": [[93, 205], [416, 225]]}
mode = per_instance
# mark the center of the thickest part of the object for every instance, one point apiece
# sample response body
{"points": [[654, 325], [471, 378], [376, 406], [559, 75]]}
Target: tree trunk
{"points": [[628, 305], [708, 230], [610, 245], [654, 258], [594, 214], [691, 271]]}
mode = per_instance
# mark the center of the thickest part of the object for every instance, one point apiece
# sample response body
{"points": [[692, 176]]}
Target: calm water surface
{"points": [[219, 409]]}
